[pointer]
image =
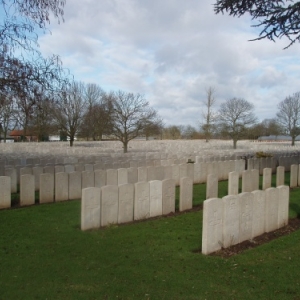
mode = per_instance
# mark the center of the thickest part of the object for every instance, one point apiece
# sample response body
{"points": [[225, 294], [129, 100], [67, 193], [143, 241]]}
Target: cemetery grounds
{"points": [[45, 255]]}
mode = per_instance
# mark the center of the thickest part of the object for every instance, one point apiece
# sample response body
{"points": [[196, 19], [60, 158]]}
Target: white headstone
{"points": [[231, 220], [132, 175], [212, 186], [111, 177], [283, 205], [100, 178], [142, 174], [5, 196], [90, 208], [155, 198], [89, 167], [186, 194], [12, 173], [233, 183], [37, 171], [59, 169], [109, 205], [255, 179], [176, 174], [259, 213], [126, 199], [294, 176], [87, 179], [151, 173], [212, 230], [272, 202], [280, 175], [168, 196], [267, 178], [247, 183], [142, 200], [46, 188], [27, 195], [75, 185], [122, 176], [246, 216], [61, 186]]}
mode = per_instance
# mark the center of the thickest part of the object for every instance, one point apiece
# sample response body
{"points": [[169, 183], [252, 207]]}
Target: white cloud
{"points": [[171, 51]]}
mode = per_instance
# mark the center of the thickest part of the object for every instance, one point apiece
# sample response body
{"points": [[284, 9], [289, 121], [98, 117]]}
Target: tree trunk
{"points": [[234, 143], [293, 140], [71, 141], [125, 147]]}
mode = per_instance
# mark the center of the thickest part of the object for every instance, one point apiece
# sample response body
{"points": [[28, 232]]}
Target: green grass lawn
{"points": [[45, 255]]}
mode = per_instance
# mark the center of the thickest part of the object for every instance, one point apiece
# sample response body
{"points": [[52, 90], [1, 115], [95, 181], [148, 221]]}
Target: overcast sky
{"points": [[172, 51]]}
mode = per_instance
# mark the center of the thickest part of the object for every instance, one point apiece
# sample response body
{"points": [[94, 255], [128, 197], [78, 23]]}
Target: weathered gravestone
{"points": [[122, 176], [259, 213], [176, 174], [167, 172], [246, 216], [294, 176], [59, 169], [272, 201], [75, 185], [247, 183], [12, 173], [212, 230], [132, 175], [186, 194], [280, 175], [155, 198], [142, 174], [255, 179], [90, 208], [212, 186], [233, 183], [61, 186], [49, 169], [27, 196], [5, 195], [46, 188], [151, 173], [231, 221], [126, 200], [142, 200], [87, 179], [168, 196], [267, 178], [37, 171], [283, 205], [100, 178], [109, 204]]}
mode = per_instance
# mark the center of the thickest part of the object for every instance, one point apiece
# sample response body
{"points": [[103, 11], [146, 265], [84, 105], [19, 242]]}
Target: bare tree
{"points": [[289, 115], [172, 132], [277, 19], [209, 116], [235, 116], [7, 115], [265, 128], [70, 109], [153, 128], [21, 20], [131, 115], [98, 117]]}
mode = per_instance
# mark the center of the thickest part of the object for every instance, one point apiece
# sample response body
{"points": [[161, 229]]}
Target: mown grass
{"points": [[45, 255]]}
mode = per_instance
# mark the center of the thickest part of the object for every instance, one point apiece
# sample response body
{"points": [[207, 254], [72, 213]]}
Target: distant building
{"points": [[277, 138], [18, 136]]}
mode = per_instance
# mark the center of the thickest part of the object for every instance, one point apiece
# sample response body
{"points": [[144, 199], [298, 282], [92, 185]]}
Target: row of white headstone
{"points": [[128, 202], [237, 218], [198, 172]]}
